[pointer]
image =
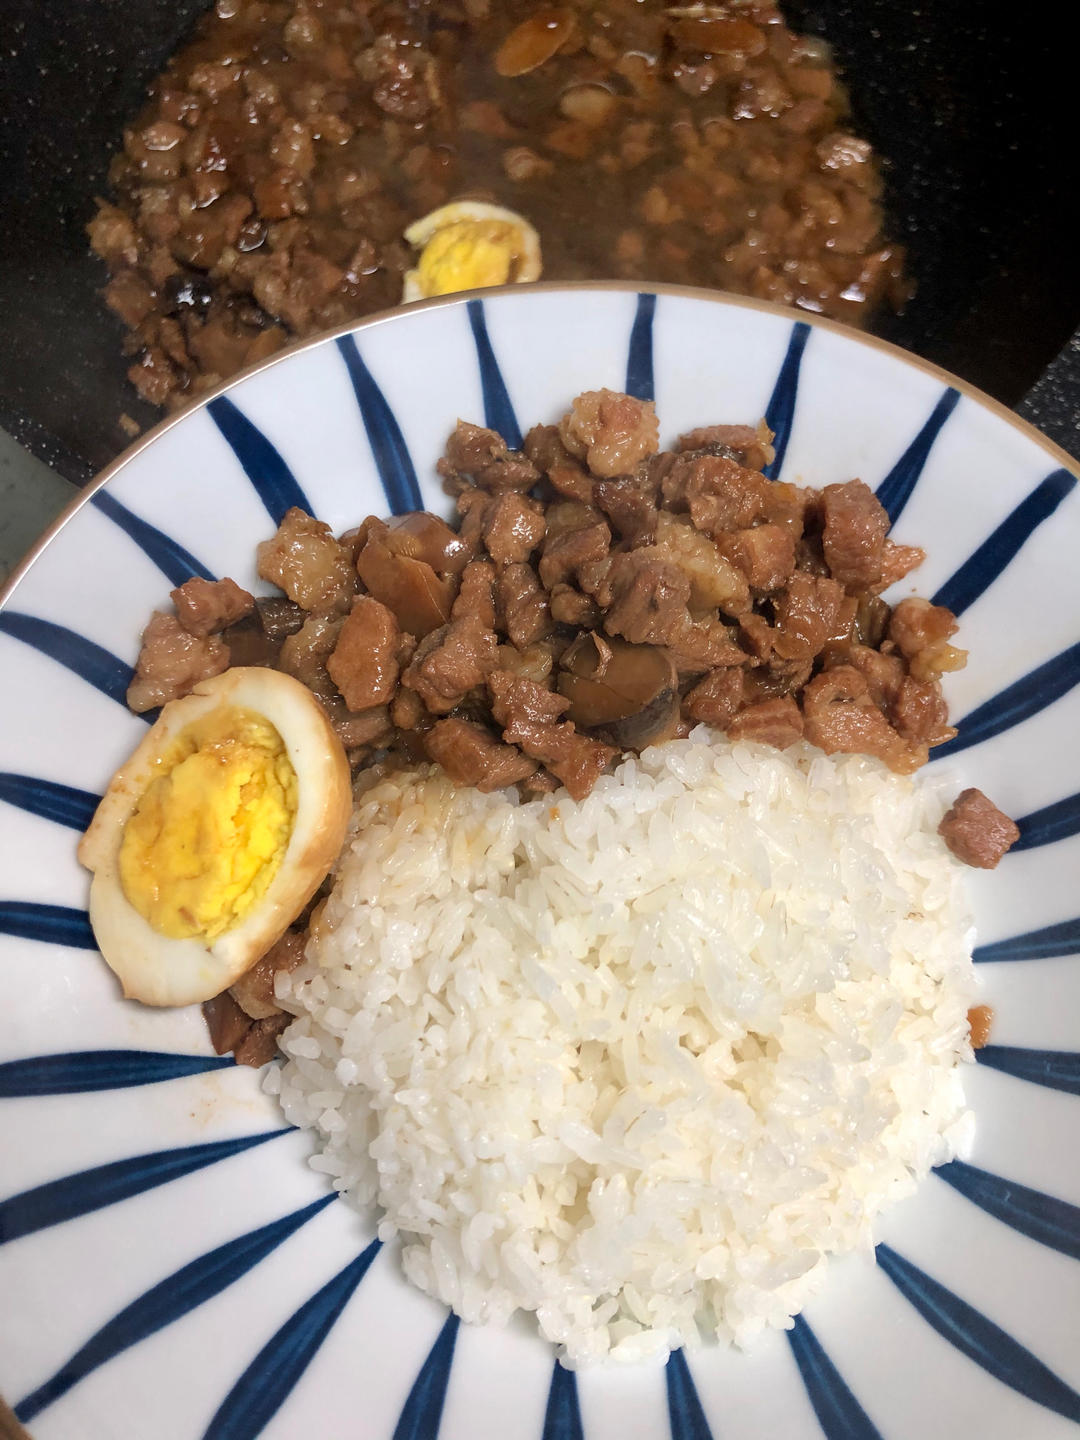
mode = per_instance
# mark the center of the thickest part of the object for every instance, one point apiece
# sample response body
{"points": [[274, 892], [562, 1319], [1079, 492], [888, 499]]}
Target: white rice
{"points": [[637, 1064]]}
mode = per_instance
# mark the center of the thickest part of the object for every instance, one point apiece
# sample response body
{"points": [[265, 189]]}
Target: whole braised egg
{"points": [[214, 835], [468, 245]]}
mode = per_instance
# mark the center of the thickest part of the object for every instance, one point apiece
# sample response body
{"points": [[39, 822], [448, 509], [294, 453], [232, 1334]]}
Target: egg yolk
{"points": [[468, 255], [209, 833]]}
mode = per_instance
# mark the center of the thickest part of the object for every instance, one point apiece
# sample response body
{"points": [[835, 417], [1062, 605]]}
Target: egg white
{"points": [[158, 969]]}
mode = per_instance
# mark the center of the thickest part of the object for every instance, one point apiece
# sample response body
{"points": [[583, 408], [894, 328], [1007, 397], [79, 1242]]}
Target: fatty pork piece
{"points": [[522, 605], [204, 607], [976, 831], [631, 504], [305, 656], [305, 560], [576, 535], [364, 662], [840, 715], [510, 526], [177, 652], [750, 445], [765, 554], [171, 663], [254, 991], [475, 600], [246, 1020], [530, 717], [610, 431], [921, 632], [471, 755], [481, 457], [566, 473], [898, 561], [458, 657], [715, 583], [776, 722], [570, 607], [810, 611], [449, 663], [915, 708], [646, 600], [252, 1042], [853, 537], [716, 699], [719, 494]]}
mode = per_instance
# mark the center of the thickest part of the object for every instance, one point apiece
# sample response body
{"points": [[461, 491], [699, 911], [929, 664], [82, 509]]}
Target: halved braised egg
{"points": [[214, 835], [468, 245]]}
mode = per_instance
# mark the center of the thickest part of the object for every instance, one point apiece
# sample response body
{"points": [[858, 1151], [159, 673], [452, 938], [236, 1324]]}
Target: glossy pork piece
{"points": [[977, 832]]}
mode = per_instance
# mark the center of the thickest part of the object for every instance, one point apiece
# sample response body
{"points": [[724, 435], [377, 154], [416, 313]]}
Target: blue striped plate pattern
{"points": [[165, 1251]]}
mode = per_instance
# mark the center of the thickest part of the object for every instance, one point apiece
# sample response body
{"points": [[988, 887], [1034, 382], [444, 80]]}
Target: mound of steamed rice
{"points": [[637, 1064]]}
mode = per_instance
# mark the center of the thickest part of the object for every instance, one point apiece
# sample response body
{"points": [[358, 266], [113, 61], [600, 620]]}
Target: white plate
{"points": [[169, 1266]]}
